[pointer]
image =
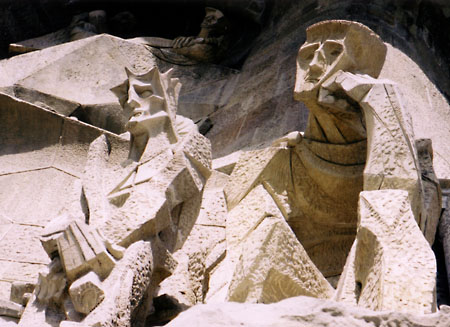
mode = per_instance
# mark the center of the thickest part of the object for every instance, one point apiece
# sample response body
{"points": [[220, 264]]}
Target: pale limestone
{"points": [[314, 180], [424, 100], [86, 293], [391, 266], [262, 251], [158, 192], [432, 195], [280, 225], [227, 163], [303, 311], [10, 309], [273, 266], [200, 247]]}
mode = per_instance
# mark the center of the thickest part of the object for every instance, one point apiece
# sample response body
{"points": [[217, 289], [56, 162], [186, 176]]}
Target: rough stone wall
{"points": [[262, 107]]}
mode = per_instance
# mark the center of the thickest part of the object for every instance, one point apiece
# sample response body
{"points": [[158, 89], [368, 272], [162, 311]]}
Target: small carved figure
{"points": [[209, 45], [88, 24]]}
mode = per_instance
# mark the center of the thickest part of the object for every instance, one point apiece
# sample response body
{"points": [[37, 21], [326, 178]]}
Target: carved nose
{"points": [[316, 65], [132, 103]]}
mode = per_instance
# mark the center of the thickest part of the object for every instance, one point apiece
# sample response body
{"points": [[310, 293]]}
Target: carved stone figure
{"points": [[209, 45], [345, 211], [88, 24], [141, 200], [315, 179]]}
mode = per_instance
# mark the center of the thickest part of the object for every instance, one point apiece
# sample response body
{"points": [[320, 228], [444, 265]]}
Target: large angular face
{"points": [[316, 61], [145, 106]]}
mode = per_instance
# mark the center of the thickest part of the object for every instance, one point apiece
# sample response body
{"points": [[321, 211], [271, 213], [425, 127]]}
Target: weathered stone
{"points": [[200, 248], [303, 311], [273, 266], [86, 293], [288, 216], [257, 238], [19, 291], [10, 309], [391, 265], [136, 274], [432, 206], [80, 248]]}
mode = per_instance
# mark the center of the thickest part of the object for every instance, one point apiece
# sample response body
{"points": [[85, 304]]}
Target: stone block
{"points": [[392, 263], [10, 309], [432, 197], [86, 293], [81, 249], [392, 161], [273, 266], [246, 173]]}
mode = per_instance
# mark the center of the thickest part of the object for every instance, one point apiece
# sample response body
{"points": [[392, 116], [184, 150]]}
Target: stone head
{"points": [[98, 19], [214, 20], [332, 46], [149, 101]]}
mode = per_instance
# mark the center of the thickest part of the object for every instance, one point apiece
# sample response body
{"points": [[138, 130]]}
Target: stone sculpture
{"points": [[144, 214], [345, 211], [88, 24], [314, 180], [209, 45]]}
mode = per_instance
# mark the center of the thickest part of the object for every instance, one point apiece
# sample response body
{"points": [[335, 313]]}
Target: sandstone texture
{"points": [[302, 180]]}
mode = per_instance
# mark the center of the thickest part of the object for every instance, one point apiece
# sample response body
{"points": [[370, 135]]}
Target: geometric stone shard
{"points": [[226, 163], [432, 205], [214, 207], [274, 266], [81, 249], [50, 288], [10, 309], [19, 290], [201, 245], [393, 265], [130, 282], [247, 215], [303, 311], [86, 293], [392, 161], [444, 229], [246, 173], [198, 149]]}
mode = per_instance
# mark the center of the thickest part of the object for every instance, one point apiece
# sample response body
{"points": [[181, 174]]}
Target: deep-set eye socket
{"points": [[143, 91], [332, 49], [306, 53]]}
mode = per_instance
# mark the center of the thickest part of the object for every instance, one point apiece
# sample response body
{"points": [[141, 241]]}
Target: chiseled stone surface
{"points": [[303, 311], [86, 293], [145, 228], [273, 266], [391, 266], [264, 256], [432, 195]]}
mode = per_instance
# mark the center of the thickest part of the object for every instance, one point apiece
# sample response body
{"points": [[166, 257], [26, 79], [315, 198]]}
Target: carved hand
{"points": [[183, 41], [289, 140]]}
